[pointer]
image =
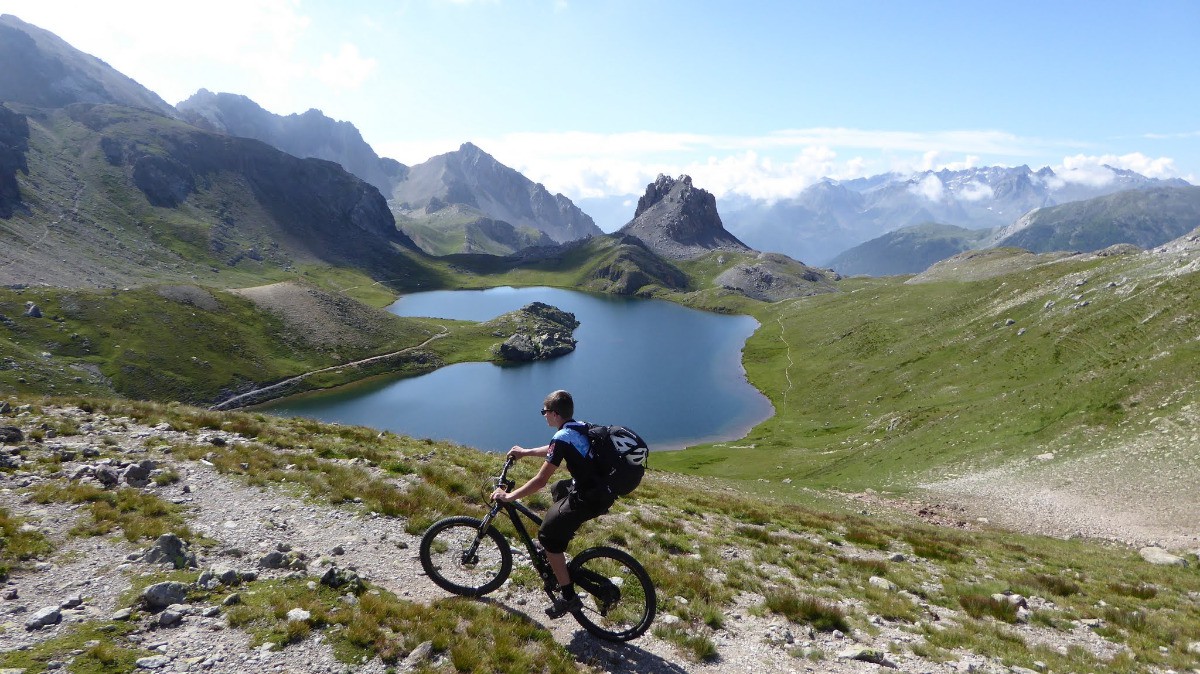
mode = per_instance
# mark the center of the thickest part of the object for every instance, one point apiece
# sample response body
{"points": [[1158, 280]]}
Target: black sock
{"points": [[568, 591]]}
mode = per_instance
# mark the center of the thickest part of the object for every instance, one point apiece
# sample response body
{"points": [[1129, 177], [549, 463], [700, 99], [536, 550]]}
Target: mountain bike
{"points": [[470, 557]]}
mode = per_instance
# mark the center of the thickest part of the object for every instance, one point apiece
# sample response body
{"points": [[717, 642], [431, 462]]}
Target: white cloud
{"points": [[935, 160], [345, 70], [240, 46], [930, 187], [1093, 171], [976, 191], [770, 167]]}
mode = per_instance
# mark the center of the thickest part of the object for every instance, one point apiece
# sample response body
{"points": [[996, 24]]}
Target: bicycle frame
{"points": [[515, 509]]}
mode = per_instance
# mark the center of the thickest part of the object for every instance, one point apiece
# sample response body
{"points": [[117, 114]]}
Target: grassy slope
{"points": [[876, 384], [806, 566], [148, 346]]}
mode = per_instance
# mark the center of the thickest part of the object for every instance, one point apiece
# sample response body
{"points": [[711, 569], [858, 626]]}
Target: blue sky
{"points": [[759, 98]]}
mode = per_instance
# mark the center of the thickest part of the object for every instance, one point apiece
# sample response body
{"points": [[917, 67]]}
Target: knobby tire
{"points": [[441, 555], [624, 604]]}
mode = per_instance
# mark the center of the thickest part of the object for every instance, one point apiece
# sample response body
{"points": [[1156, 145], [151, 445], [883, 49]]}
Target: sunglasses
{"points": [[545, 412]]}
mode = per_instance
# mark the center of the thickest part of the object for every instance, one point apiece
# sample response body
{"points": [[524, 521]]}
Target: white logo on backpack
{"points": [[628, 447]]}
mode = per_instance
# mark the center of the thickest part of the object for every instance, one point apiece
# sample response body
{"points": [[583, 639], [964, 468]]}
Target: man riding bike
{"points": [[576, 500]]}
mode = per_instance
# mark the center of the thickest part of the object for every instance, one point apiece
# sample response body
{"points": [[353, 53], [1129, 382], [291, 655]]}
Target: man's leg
{"points": [[558, 562]]}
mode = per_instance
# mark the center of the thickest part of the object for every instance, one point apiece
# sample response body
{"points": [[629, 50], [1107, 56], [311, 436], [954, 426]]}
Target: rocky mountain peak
{"points": [[662, 188], [678, 220], [471, 178], [309, 134]]}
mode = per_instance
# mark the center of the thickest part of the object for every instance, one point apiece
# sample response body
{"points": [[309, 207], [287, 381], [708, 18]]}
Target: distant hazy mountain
{"points": [[38, 68], [1145, 218], [458, 195], [678, 221], [311, 134], [832, 216], [908, 250]]}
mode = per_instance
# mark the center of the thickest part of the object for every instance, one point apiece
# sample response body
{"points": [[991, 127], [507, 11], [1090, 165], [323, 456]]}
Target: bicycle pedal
{"points": [[562, 606]]}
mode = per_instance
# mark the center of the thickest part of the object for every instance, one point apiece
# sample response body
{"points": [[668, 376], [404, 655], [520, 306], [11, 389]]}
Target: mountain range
{"points": [[465, 201], [103, 185], [832, 216], [1145, 218], [458, 202]]}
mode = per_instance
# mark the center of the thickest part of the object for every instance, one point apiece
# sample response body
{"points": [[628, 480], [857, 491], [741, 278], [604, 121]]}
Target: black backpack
{"points": [[620, 456]]}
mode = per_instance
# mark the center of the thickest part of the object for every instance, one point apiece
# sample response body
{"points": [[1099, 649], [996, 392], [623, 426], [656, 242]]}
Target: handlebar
{"points": [[502, 480]]}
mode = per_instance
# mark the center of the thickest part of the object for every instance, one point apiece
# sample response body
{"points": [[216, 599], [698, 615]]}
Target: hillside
{"points": [[125, 196], [1144, 218], [1048, 379], [908, 250], [296, 545]]}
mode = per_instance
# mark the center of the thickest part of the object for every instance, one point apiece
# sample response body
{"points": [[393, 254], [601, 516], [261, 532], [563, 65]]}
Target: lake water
{"points": [[671, 373]]}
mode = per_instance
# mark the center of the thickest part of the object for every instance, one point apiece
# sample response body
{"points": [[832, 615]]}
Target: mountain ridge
{"points": [[832, 216], [474, 180], [308, 134], [42, 70]]}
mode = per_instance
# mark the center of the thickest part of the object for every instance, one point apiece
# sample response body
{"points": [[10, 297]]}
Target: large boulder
{"points": [[1161, 557], [170, 548], [161, 595]]}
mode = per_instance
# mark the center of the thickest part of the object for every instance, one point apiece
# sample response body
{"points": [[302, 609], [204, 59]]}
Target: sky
{"points": [[761, 98]]}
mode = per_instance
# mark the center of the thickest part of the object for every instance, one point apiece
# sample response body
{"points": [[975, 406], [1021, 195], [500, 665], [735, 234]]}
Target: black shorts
{"points": [[570, 510]]}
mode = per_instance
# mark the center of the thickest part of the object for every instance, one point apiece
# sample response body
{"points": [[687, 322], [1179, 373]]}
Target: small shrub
{"points": [[18, 546], [699, 647], [979, 606], [1055, 585], [1138, 590], [138, 515], [1134, 621], [823, 617], [931, 546], [867, 537], [865, 567], [754, 533]]}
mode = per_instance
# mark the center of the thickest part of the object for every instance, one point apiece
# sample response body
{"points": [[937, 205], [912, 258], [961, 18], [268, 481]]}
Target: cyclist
{"points": [[576, 500]]}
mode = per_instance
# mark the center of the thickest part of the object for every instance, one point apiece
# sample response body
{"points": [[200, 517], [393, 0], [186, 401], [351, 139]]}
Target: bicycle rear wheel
{"points": [[619, 601], [447, 561]]}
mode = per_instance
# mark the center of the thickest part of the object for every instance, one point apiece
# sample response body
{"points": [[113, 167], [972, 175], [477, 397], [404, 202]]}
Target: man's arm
{"points": [[535, 483], [518, 452]]}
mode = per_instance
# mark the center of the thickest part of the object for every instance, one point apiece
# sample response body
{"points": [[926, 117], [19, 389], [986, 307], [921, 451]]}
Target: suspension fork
{"points": [[468, 555]]}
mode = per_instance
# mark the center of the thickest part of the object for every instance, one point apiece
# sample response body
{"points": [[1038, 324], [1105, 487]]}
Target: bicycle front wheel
{"points": [[618, 596], [461, 558]]}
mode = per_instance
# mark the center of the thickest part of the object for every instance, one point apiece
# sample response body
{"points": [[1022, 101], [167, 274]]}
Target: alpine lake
{"points": [[671, 373]]}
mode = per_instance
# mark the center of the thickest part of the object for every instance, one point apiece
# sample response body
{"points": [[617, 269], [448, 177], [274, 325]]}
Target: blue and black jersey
{"points": [[571, 444]]}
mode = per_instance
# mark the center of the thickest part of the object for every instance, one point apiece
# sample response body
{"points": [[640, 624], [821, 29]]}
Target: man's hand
{"points": [[501, 496], [516, 452]]}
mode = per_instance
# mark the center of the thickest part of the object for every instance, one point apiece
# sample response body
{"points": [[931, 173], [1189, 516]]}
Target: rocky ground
{"points": [[86, 577]]}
